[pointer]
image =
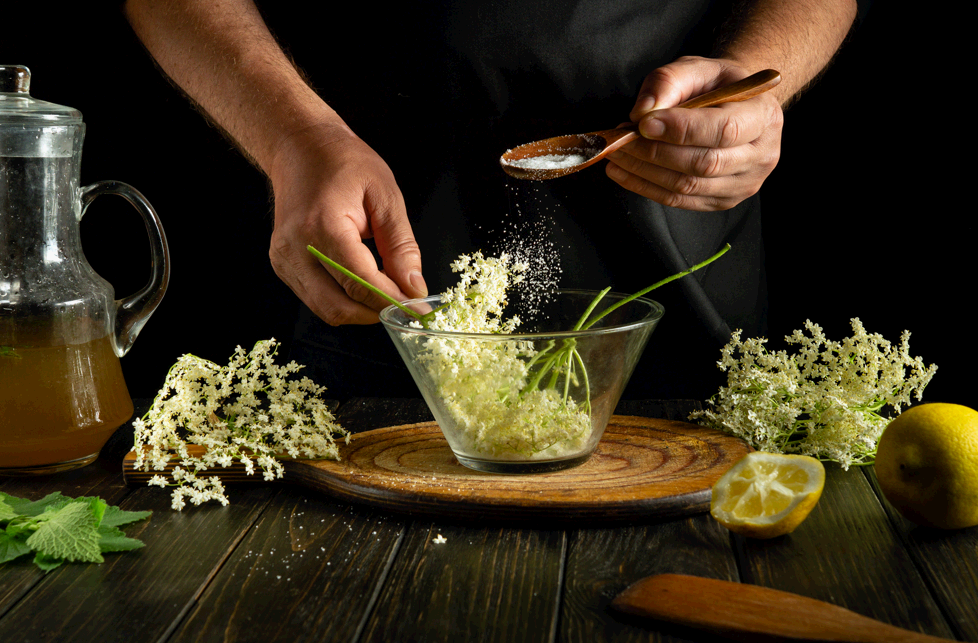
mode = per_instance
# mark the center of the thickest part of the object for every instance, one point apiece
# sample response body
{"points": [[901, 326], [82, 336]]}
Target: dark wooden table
{"points": [[283, 563]]}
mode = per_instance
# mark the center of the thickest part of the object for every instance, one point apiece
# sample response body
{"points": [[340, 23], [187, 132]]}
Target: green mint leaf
{"points": [[57, 528], [115, 517], [8, 351], [19, 526], [112, 539], [95, 504], [12, 547], [70, 533], [47, 563], [7, 512], [31, 508]]}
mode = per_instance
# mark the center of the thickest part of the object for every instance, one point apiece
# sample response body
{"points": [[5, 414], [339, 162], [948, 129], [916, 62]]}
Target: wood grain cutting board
{"points": [[643, 469]]}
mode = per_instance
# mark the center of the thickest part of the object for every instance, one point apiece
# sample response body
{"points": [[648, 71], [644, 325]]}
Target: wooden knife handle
{"points": [[736, 608]]}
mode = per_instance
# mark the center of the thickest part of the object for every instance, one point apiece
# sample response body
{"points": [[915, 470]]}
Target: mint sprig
{"points": [[57, 529]]}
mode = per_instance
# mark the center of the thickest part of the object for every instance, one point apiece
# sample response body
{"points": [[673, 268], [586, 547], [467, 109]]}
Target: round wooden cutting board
{"points": [[643, 469]]}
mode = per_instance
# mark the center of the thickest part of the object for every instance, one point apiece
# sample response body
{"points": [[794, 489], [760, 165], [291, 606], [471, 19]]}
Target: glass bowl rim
{"points": [[655, 315]]}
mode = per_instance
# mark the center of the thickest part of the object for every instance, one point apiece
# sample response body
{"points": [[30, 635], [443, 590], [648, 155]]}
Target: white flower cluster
{"points": [[482, 383], [249, 410], [478, 302], [823, 400]]}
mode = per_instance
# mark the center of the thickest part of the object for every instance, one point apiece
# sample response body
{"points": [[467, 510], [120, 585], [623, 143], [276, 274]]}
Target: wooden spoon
{"points": [[734, 609], [577, 151]]}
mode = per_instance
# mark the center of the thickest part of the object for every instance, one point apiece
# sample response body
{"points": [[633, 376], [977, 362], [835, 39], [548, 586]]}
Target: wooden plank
{"points": [[846, 553], [948, 561], [484, 584], [140, 595], [487, 584], [603, 562], [306, 571]]}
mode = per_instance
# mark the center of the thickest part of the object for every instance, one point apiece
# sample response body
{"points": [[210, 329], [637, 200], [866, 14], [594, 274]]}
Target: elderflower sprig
{"points": [[250, 410], [825, 400]]}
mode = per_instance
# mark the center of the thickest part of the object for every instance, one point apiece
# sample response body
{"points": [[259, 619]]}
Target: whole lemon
{"points": [[927, 465]]}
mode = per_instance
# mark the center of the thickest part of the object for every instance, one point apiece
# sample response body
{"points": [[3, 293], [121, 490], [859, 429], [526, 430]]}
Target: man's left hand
{"points": [[702, 159]]}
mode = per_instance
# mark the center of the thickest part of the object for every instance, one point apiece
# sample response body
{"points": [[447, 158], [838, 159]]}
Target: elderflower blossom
{"points": [[249, 410], [477, 303], [823, 400], [483, 385]]}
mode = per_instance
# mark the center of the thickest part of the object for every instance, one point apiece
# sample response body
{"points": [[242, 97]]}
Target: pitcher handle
{"points": [[132, 312]]}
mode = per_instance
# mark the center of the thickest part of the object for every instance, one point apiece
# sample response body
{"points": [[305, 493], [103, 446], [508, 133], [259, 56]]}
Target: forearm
{"points": [[796, 37], [223, 56]]}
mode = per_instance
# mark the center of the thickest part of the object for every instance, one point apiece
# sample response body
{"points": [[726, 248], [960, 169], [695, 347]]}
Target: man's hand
{"points": [[332, 191], [705, 159]]}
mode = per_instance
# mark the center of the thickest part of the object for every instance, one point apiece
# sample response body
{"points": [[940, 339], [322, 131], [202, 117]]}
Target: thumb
{"points": [[675, 83]]}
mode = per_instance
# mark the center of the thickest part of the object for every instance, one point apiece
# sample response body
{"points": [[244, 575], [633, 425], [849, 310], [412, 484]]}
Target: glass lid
{"points": [[18, 108]]}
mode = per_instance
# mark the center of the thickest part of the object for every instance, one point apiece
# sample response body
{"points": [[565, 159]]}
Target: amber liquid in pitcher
{"points": [[59, 403]]}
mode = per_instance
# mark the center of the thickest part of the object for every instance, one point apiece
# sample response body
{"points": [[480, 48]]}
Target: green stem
{"points": [[374, 289], [657, 285], [591, 307], [536, 357], [548, 365], [587, 382]]}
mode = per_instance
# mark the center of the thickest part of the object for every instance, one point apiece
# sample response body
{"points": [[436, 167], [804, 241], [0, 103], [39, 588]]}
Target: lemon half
{"points": [[766, 495], [927, 465]]}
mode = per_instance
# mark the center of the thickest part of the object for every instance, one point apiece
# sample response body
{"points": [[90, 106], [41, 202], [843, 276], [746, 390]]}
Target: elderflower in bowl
{"points": [[514, 397], [511, 396]]}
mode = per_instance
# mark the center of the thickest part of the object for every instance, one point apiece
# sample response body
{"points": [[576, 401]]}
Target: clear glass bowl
{"points": [[529, 402]]}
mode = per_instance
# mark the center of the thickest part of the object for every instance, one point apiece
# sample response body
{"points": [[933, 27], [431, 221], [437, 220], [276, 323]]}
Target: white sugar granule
{"points": [[549, 161], [527, 236]]}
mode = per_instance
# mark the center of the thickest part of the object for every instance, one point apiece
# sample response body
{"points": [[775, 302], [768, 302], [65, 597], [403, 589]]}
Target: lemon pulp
{"points": [[765, 495]]}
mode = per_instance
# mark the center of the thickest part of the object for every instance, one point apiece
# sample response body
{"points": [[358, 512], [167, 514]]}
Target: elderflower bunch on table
{"points": [[250, 410], [824, 400]]}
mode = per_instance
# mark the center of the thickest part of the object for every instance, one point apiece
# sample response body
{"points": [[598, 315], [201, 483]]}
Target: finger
{"points": [[396, 244], [329, 301], [677, 190], [315, 285], [727, 125], [679, 81], [345, 247], [760, 155]]}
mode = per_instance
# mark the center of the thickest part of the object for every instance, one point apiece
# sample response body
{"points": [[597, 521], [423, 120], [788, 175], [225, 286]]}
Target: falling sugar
{"points": [[528, 238]]}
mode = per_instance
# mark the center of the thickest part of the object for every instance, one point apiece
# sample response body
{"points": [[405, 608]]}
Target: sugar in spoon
{"points": [[559, 156]]}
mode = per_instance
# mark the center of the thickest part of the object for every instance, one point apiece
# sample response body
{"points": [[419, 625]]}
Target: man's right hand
{"points": [[332, 191]]}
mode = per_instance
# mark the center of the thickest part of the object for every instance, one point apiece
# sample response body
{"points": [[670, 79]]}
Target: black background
{"points": [[869, 213]]}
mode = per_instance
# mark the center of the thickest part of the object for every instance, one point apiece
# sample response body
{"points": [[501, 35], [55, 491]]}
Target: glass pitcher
{"points": [[62, 331]]}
